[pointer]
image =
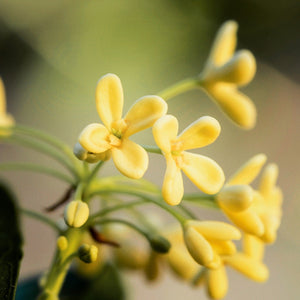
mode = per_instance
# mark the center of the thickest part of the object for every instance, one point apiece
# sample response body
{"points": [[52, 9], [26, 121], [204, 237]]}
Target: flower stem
{"points": [[152, 149], [41, 217], [179, 88], [35, 168]]}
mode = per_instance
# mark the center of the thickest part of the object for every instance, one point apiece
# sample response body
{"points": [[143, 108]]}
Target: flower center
{"points": [[118, 128]]}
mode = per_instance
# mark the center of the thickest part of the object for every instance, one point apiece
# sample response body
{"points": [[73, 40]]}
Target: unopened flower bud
{"points": [[62, 243], [76, 213], [159, 243], [88, 253]]}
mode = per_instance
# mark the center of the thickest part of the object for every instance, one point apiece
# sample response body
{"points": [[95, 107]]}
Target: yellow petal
{"points": [[246, 220], [204, 172], [223, 247], [224, 44], [94, 138], [182, 263], [130, 159], [164, 131], [199, 248], [236, 105], [249, 171], [143, 113], [172, 189], [253, 246], [248, 266], [109, 99], [217, 283], [2, 98], [200, 133], [268, 179], [215, 230], [236, 197], [271, 223], [240, 69]]}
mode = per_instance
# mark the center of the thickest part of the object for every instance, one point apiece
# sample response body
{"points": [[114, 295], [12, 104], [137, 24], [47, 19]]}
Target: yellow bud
{"points": [[62, 243], [76, 213], [88, 253], [217, 283], [236, 197]]}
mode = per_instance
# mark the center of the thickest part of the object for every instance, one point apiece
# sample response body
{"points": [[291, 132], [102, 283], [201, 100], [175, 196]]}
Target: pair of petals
{"points": [[205, 173], [207, 240]]}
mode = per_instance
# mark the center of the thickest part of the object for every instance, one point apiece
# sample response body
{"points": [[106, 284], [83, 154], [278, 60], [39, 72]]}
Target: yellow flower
{"points": [[225, 71], [130, 158], [237, 197], [206, 241], [205, 173], [268, 205], [6, 120]]}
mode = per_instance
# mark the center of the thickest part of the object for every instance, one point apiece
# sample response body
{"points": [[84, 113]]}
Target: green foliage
{"points": [[10, 244]]}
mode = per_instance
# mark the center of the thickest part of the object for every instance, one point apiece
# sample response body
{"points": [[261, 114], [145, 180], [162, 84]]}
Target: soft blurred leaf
{"points": [[10, 244]]}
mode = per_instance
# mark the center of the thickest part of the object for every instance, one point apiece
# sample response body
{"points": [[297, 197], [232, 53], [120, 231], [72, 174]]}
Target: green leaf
{"points": [[10, 244]]}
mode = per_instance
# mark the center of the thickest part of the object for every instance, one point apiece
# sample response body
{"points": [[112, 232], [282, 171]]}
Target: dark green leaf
{"points": [[10, 244]]}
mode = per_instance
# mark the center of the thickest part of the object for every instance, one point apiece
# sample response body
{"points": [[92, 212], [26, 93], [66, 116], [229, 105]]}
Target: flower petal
{"points": [[215, 230], [246, 220], [143, 113], [199, 248], [240, 69], [130, 159], [164, 131], [236, 197], [253, 246], [109, 99], [94, 138], [249, 171], [238, 107], [205, 173], [268, 179], [217, 283], [248, 266], [224, 44], [200, 133], [172, 189], [2, 98]]}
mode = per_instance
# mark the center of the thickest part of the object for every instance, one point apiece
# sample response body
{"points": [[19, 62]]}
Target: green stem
{"points": [[35, 168], [124, 222], [187, 211], [62, 261], [108, 210], [179, 88], [200, 199], [162, 204], [40, 217], [152, 149], [43, 149]]}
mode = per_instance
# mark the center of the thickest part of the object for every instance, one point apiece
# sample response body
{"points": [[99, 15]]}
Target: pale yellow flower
{"points": [[268, 203], [225, 71], [130, 158], [237, 197], [207, 241], [6, 120], [205, 173]]}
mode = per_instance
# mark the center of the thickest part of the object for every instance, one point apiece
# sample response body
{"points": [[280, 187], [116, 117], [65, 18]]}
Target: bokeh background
{"points": [[53, 52]]}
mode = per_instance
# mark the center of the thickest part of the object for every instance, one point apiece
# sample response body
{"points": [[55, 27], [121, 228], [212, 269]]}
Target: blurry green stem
{"points": [[152, 149], [35, 168], [180, 87], [41, 217]]}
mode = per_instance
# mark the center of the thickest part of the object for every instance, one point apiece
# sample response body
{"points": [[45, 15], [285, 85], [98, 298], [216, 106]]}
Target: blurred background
{"points": [[52, 54]]}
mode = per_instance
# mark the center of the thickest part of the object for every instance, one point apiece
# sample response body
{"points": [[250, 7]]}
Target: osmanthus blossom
{"points": [[225, 71], [256, 212], [236, 198], [113, 137], [204, 172], [6, 120]]}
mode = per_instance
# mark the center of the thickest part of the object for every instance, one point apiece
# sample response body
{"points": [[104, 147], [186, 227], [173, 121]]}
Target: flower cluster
{"points": [[198, 251]]}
